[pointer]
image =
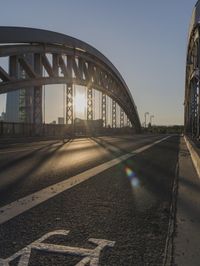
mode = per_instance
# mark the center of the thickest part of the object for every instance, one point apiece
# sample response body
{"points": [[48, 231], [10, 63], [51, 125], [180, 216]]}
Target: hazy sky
{"points": [[144, 39]]}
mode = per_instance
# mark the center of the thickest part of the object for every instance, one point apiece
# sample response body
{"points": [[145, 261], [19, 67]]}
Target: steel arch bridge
{"points": [[192, 85], [65, 60]]}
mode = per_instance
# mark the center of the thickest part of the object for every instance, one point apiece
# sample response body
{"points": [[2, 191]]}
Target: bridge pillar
{"points": [[128, 122], [114, 114], [69, 104], [89, 104], [121, 118], [104, 109], [37, 98]]}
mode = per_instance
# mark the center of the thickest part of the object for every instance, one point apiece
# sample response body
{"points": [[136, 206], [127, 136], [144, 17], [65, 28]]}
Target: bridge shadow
{"points": [[190, 185], [11, 187], [8, 164], [150, 166], [110, 147], [189, 201]]}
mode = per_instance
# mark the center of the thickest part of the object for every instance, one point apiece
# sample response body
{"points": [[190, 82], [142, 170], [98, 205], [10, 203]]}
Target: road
{"points": [[117, 189]]}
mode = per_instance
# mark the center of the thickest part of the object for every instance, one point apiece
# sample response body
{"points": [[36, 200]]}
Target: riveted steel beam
{"points": [[114, 118], [69, 104], [104, 109], [84, 65], [121, 118], [90, 104], [37, 101]]}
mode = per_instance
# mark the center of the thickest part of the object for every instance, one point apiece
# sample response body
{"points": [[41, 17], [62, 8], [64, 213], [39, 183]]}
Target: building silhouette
{"points": [[19, 103]]}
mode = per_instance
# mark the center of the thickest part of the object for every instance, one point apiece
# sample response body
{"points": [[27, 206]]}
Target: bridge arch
{"points": [[65, 60], [192, 77]]}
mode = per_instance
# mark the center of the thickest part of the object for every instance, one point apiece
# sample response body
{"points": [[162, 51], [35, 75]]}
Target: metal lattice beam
{"points": [[69, 104], [89, 104], [194, 109], [114, 121], [104, 109], [121, 118], [192, 100], [37, 100], [66, 61]]}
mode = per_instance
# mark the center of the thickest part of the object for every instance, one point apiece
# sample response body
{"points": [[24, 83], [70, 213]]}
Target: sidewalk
{"points": [[187, 235]]}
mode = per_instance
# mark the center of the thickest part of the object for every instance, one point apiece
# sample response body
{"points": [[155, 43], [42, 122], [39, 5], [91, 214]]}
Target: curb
{"points": [[194, 155], [169, 245]]}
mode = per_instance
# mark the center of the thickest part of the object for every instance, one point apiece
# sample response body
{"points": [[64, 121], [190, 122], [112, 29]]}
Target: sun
{"points": [[80, 104]]}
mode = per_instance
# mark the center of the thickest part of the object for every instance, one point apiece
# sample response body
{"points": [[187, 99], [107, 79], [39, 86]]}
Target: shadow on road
{"points": [[10, 185]]}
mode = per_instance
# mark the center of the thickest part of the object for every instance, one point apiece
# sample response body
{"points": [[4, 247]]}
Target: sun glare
{"points": [[80, 103]]}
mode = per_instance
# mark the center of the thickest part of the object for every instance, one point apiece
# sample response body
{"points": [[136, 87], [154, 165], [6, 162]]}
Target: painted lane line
{"points": [[19, 206]]}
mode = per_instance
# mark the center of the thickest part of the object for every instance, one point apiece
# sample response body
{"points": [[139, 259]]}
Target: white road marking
{"points": [[89, 255], [19, 206]]}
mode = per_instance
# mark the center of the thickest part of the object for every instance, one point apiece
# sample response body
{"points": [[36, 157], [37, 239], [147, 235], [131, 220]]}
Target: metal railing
{"points": [[12, 129]]}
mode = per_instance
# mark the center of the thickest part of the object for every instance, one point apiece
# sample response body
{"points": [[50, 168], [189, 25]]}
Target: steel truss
{"points": [[114, 117], [192, 110], [69, 104], [89, 104], [121, 118], [65, 61], [104, 109]]}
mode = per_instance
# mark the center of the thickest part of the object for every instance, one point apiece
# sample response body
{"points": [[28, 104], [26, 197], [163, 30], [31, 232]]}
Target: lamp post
{"points": [[145, 119]]}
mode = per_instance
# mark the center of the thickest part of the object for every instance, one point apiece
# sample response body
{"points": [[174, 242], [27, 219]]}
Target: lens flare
{"points": [[132, 177]]}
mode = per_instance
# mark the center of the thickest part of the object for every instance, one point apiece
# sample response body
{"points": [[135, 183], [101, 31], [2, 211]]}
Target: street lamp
{"points": [[145, 119]]}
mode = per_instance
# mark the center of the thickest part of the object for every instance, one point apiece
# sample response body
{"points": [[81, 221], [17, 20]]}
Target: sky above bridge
{"points": [[145, 40]]}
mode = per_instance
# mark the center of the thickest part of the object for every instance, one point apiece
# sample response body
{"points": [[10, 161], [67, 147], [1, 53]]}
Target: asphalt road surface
{"points": [[95, 201]]}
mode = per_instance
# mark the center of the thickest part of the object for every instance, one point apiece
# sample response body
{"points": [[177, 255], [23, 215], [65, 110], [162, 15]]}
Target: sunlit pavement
{"points": [[127, 204]]}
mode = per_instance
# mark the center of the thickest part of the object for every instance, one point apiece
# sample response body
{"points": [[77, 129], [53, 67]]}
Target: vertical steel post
{"points": [[37, 101], [193, 109], [104, 109], [121, 118], [198, 112], [190, 110], [114, 124], [13, 66], [1, 128], [196, 109], [89, 104], [69, 104]]}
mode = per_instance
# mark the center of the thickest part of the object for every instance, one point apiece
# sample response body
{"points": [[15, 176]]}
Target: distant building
{"points": [[19, 103], [61, 120], [2, 116]]}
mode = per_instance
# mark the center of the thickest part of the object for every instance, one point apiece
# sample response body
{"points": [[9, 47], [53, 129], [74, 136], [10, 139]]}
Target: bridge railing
{"points": [[13, 129], [8, 129]]}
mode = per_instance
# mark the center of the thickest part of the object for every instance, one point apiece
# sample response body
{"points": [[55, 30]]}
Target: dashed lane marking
{"points": [[19, 206], [90, 256]]}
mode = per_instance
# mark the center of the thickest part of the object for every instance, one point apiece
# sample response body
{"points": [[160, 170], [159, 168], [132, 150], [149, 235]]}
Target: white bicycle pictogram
{"points": [[89, 256]]}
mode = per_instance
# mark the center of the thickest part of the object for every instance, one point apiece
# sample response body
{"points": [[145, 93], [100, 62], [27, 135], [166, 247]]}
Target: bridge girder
{"points": [[192, 81], [66, 61]]}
